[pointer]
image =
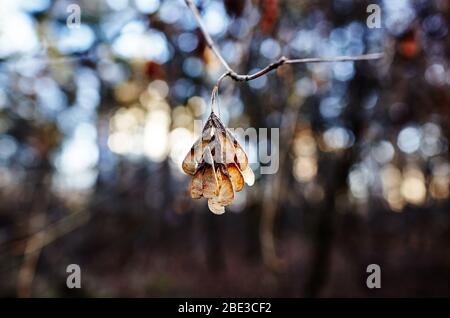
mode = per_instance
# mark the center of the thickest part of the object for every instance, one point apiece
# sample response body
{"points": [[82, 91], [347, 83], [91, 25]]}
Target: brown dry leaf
{"points": [[215, 207], [216, 149], [194, 156], [210, 182], [226, 192], [240, 157], [236, 177], [228, 151], [208, 131], [197, 185], [249, 176]]}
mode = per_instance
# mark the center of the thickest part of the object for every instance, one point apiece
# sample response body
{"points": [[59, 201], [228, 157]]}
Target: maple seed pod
{"points": [[236, 177], [197, 185], [218, 166]]}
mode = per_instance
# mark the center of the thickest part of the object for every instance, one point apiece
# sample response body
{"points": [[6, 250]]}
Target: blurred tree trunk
{"points": [[335, 167], [324, 233], [214, 247]]}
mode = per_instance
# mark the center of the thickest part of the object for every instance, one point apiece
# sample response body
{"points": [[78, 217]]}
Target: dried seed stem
{"points": [[214, 95]]}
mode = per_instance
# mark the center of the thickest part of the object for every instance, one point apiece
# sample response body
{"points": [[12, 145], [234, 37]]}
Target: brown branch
{"points": [[211, 44], [283, 60]]}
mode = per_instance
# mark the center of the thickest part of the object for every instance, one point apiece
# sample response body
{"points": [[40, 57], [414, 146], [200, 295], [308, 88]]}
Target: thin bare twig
{"points": [[27, 271], [212, 45], [283, 60]]}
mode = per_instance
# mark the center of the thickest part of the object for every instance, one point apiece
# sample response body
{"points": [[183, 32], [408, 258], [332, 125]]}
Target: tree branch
{"points": [[273, 66], [211, 44]]}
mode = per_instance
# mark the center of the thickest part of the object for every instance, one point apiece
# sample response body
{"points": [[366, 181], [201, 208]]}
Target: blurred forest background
{"points": [[95, 120]]}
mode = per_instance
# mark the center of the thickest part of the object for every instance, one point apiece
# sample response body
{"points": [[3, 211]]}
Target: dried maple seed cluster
{"points": [[219, 166]]}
